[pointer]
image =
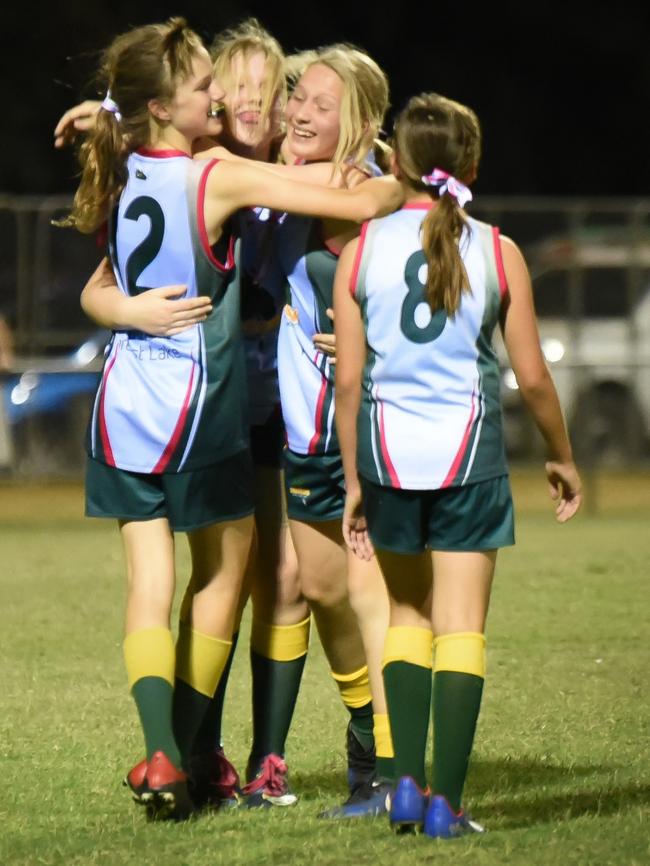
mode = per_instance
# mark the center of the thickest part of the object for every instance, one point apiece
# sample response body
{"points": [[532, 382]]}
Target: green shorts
{"points": [[189, 500], [315, 486], [475, 517]]}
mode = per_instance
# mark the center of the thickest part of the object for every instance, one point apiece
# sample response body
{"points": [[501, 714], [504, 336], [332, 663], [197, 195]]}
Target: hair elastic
{"points": [[109, 104], [447, 183]]}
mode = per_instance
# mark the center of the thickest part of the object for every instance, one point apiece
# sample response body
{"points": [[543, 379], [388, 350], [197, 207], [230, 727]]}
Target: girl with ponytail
{"points": [[168, 436], [417, 298]]}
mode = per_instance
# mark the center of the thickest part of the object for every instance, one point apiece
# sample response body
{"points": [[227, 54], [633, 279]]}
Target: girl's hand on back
{"points": [[326, 343], [162, 313]]}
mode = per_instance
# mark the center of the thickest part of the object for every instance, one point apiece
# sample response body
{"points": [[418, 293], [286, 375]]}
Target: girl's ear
{"points": [[158, 109], [471, 175]]}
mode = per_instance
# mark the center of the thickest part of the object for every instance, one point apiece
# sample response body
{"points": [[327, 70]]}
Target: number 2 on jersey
{"points": [[410, 328], [148, 249]]}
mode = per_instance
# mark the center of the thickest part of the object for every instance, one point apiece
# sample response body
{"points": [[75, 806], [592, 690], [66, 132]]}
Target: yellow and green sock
{"points": [[150, 660], [459, 674], [407, 663], [278, 654]]}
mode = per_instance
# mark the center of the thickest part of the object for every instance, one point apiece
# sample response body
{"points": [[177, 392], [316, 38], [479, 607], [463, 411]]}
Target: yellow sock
{"points": [[462, 652], [200, 659], [409, 644], [354, 687], [280, 643], [149, 652]]}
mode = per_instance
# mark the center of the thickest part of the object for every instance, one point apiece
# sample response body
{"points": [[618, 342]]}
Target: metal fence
{"points": [[590, 264]]}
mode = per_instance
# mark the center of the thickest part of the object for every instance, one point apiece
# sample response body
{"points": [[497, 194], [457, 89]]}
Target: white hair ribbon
{"points": [[447, 183], [109, 104]]}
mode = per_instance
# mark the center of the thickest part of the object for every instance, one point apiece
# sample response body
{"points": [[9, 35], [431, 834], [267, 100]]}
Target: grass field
{"points": [[561, 769]]}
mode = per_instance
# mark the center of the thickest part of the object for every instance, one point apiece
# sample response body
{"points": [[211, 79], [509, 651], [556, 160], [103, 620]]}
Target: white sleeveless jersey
{"points": [[305, 374], [430, 413], [171, 404], [263, 294]]}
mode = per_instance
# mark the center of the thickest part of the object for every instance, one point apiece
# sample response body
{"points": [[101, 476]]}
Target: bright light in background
{"points": [[20, 393], [553, 350], [28, 380], [510, 380]]}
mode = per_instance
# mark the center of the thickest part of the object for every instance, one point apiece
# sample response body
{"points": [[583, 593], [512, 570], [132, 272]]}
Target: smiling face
{"points": [[189, 113], [313, 114]]}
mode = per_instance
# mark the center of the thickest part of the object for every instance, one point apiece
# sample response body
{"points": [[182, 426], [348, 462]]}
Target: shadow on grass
{"points": [[519, 792]]}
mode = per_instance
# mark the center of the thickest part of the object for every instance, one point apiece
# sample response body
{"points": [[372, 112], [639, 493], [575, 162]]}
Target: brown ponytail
{"points": [[435, 132], [140, 65]]}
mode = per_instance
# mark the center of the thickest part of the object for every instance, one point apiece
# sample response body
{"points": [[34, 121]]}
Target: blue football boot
{"points": [[441, 822], [408, 806]]}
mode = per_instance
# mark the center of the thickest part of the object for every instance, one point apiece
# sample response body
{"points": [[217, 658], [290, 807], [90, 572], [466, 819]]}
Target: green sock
{"points": [[153, 697], [456, 705], [385, 768], [408, 695], [189, 709], [208, 737], [361, 722], [275, 690]]}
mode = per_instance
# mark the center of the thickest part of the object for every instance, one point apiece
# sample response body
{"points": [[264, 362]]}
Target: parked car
{"points": [[44, 408], [592, 294]]}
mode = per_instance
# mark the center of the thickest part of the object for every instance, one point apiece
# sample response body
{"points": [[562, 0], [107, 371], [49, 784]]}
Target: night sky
{"points": [[561, 89]]}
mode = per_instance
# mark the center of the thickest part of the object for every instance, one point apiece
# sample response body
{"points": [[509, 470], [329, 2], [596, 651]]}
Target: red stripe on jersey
{"points": [[103, 429], [394, 480], [458, 459], [356, 264], [161, 154], [498, 255], [318, 420], [166, 456], [203, 232]]}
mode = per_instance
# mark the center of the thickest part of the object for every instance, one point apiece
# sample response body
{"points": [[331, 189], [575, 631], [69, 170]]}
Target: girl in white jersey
{"points": [[338, 103], [168, 436], [417, 298], [249, 65], [334, 113]]}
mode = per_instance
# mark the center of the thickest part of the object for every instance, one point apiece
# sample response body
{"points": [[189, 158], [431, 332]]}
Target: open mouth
{"points": [[250, 118], [302, 133]]}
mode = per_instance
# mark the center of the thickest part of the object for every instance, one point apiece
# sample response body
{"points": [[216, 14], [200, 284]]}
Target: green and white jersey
{"points": [[430, 413], [171, 404], [305, 374]]}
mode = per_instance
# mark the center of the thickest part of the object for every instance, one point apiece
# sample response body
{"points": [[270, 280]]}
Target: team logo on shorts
{"points": [[300, 493]]}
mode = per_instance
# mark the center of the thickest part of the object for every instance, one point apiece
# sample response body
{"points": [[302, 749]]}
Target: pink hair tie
{"points": [[109, 104], [447, 183]]}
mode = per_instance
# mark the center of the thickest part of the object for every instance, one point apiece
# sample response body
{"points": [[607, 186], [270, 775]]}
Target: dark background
{"points": [[561, 89]]}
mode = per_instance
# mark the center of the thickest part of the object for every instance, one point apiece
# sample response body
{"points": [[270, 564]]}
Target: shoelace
{"points": [[228, 778], [272, 777]]}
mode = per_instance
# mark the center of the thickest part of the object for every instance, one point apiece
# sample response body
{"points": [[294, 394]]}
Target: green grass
{"points": [[560, 773]]}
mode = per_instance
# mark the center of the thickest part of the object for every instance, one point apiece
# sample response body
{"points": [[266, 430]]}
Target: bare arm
{"points": [[535, 384], [321, 173], [233, 185], [79, 118], [158, 312], [351, 338]]}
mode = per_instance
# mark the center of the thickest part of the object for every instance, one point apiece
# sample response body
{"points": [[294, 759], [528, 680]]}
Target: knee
{"points": [[321, 592]]}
